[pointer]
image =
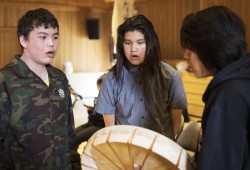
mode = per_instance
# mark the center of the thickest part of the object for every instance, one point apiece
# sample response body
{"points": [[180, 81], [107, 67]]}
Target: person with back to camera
{"points": [[214, 40], [36, 118], [95, 120], [140, 89]]}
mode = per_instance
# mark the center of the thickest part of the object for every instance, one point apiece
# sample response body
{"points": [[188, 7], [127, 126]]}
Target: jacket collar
{"points": [[20, 68]]}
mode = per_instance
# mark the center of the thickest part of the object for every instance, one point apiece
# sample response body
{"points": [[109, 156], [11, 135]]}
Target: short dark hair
{"points": [[35, 18], [216, 34]]}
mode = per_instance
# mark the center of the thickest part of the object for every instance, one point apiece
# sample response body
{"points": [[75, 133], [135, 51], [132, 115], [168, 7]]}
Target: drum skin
{"points": [[126, 147]]}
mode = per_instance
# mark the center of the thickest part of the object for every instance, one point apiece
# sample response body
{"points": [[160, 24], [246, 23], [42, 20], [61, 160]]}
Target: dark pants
{"points": [[84, 132]]}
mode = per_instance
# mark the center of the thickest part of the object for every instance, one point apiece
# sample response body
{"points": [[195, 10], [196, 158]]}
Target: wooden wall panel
{"points": [[167, 16], [194, 88], [7, 46], [240, 7]]}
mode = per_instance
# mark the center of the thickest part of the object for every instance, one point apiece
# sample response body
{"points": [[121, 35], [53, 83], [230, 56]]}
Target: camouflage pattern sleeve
{"points": [[75, 157], [4, 118]]}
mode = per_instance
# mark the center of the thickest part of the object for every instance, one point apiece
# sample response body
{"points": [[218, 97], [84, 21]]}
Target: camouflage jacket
{"points": [[36, 121]]}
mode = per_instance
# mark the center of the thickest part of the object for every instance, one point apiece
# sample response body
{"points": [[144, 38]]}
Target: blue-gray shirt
{"points": [[127, 100]]}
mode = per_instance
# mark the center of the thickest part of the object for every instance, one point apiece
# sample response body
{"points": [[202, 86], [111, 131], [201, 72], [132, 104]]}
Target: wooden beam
{"points": [[68, 3], [40, 5], [108, 1], [8, 29]]}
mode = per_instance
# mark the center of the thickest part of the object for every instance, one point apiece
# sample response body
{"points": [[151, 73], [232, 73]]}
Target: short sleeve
{"points": [[106, 98]]}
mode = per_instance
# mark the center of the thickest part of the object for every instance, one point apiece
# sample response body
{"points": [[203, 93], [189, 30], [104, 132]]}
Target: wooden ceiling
{"points": [[104, 4]]}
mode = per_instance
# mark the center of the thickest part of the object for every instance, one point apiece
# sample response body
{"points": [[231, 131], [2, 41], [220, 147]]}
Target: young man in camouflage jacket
{"points": [[36, 118]]}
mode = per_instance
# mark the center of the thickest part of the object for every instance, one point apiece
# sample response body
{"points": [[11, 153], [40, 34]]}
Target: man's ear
{"points": [[23, 41]]}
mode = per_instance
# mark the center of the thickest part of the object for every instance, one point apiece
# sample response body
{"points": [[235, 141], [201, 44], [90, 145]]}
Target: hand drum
{"points": [[125, 147]]}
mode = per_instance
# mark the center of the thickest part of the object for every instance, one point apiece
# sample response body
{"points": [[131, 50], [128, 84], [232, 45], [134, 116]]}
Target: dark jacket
{"points": [[226, 122]]}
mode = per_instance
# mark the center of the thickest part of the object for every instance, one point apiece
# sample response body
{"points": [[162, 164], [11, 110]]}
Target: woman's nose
{"points": [[133, 48]]}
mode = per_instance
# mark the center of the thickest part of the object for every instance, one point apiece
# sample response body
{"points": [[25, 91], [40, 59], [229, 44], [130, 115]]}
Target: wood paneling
{"points": [[194, 88], [167, 16], [64, 3], [8, 45]]}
